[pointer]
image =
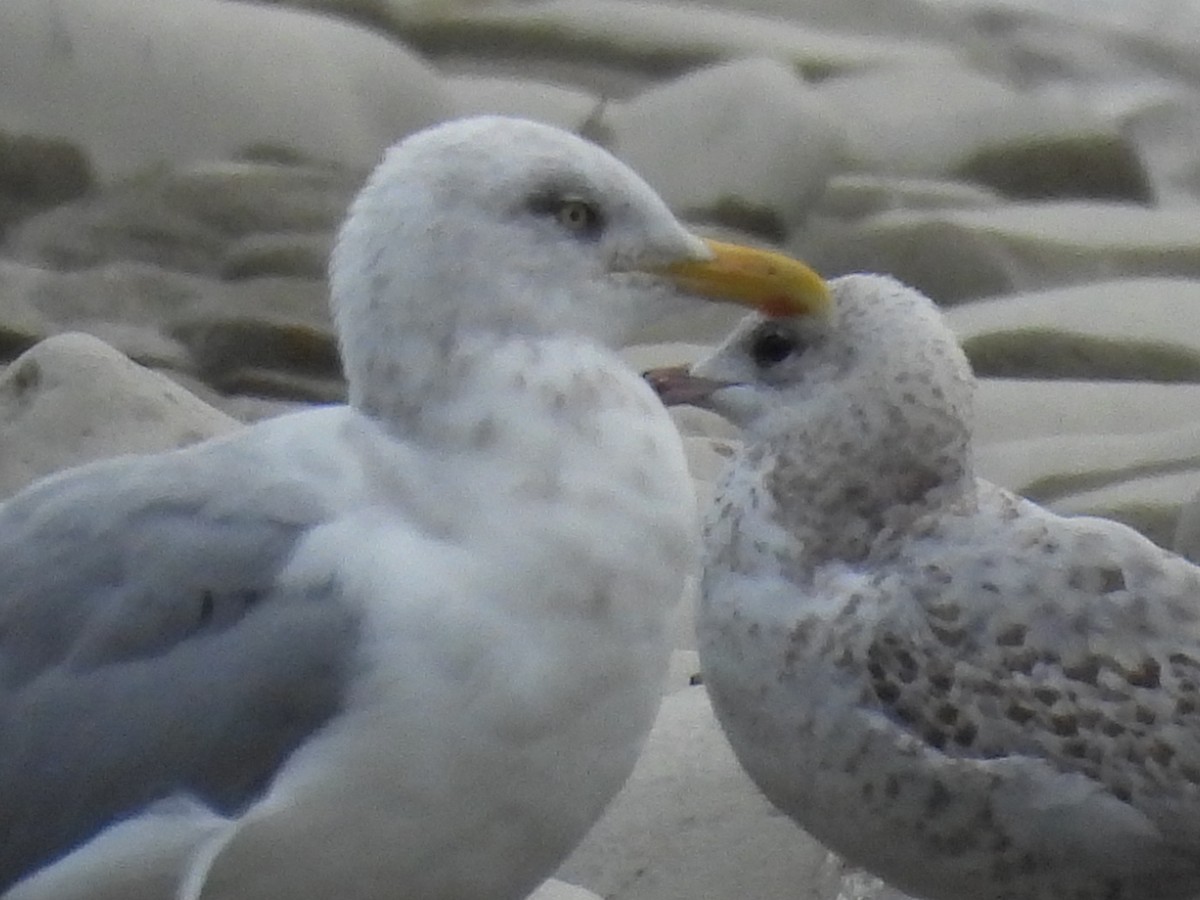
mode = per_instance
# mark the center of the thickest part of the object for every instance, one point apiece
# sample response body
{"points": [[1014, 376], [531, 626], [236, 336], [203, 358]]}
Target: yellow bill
{"points": [[772, 283]]}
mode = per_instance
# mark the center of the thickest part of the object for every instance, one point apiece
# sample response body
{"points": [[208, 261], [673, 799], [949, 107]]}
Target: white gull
{"points": [[404, 648]]}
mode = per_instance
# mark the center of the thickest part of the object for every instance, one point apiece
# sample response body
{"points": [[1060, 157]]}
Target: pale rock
{"points": [[272, 334], [123, 303], [1165, 126], [124, 292], [1009, 409], [247, 196], [855, 195], [525, 98], [690, 825], [1047, 467], [1151, 504], [959, 254], [136, 83], [943, 22], [553, 889], [1135, 309], [745, 144], [72, 399], [920, 119], [588, 38], [1130, 328], [948, 119], [195, 218], [1105, 45], [22, 324], [383, 13]]}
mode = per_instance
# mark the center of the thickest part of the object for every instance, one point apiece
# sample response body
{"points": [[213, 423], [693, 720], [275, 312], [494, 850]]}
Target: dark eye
{"points": [[772, 345], [578, 216]]}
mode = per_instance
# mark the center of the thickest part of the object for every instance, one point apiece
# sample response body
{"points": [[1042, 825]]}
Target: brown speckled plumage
{"points": [[948, 685]]}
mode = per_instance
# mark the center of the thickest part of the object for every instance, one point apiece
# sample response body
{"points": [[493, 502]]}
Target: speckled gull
{"points": [[946, 684], [407, 648]]}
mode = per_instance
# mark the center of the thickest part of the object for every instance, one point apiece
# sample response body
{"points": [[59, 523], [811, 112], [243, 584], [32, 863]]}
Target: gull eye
{"points": [[578, 216], [772, 345]]}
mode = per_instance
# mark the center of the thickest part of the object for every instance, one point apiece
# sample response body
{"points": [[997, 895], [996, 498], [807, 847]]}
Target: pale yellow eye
{"points": [[578, 216]]}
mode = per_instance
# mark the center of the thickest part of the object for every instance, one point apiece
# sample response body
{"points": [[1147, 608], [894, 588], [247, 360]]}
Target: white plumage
{"points": [[948, 685], [404, 648]]}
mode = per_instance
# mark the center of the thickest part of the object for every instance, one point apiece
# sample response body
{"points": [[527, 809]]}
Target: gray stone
{"points": [[192, 219], [554, 889], [136, 83], [523, 97], [37, 172], [72, 399], [295, 255], [612, 47], [690, 825], [854, 195], [1144, 329], [949, 120], [960, 254], [745, 144]]}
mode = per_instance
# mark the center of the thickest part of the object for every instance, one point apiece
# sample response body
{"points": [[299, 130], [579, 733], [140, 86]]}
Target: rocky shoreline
{"points": [[171, 175]]}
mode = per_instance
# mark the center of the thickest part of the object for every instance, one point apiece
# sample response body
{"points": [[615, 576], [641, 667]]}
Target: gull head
{"points": [[878, 366], [488, 228]]}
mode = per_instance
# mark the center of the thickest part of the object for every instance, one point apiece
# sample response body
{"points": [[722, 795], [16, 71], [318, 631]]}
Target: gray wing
{"points": [[145, 651]]}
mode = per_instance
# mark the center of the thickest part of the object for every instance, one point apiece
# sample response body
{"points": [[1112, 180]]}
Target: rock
{"points": [[21, 323], [1099, 166], [948, 120], [1150, 505], [690, 825], [264, 357], [1012, 409], [1048, 353], [384, 14], [1165, 126], [926, 249], [37, 172], [192, 218], [743, 144], [614, 47], [959, 254], [240, 198], [294, 255], [523, 97], [1134, 328], [1047, 468], [129, 223], [125, 304], [118, 292], [135, 83], [1139, 309], [913, 19], [72, 399], [851, 196], [1053, 44], [554, 889]]}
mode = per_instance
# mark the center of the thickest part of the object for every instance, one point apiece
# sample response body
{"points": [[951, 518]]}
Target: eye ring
{"points": [[771, 346], [577, 215]]}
